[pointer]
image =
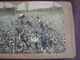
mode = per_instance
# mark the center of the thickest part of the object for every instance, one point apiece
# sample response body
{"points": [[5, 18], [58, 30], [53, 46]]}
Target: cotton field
{"points": [[33, 33]]}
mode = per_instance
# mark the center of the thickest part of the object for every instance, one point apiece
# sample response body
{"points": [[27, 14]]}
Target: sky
{"points": [[6, 4], [21, 6], [38, 5]]}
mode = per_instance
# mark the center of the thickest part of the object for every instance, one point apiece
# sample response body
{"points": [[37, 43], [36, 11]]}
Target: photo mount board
{"points": [[69, 33]]}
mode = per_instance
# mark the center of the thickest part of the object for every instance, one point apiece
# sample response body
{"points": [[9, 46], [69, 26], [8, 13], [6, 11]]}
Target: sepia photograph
{"points": [[32, 28]]}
